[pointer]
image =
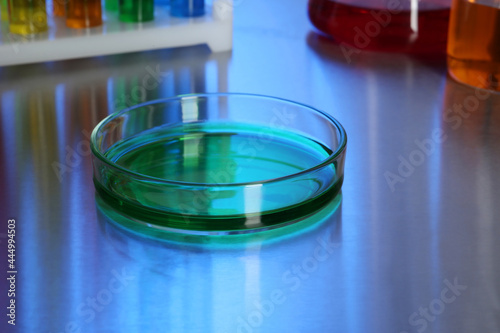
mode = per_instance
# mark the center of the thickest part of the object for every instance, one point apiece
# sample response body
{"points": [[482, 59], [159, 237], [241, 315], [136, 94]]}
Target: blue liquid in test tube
{"points": [[187, 8]]}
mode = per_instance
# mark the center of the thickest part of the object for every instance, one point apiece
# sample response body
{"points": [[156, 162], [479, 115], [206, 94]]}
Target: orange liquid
{"points": [[59, 7], [83, 13], [474, 44]]}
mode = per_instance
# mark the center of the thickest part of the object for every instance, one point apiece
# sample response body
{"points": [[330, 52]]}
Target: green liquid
{"points": [[202, 154], [136, 10], [111, 5], [221, 154]]}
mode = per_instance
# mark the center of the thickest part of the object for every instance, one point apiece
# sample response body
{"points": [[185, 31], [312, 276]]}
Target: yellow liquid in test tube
{"points": [[27, 17], [4, 10]]}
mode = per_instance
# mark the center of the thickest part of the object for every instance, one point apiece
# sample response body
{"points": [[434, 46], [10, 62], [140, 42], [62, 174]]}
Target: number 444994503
{"points": [[11, 246]]}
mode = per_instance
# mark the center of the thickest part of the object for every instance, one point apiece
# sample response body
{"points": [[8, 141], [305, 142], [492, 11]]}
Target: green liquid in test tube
{"points": [[136, 10], [111, 5], [4, 10]]}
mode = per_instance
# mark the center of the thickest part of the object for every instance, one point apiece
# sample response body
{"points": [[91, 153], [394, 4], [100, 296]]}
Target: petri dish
{"points": [[218, 164]]}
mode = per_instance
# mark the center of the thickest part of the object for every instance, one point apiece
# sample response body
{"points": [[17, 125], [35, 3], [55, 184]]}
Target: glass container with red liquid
{"points": [[413, 26]]}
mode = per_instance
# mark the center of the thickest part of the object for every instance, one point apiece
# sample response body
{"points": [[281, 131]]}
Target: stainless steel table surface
{"points": [[412, 248]]}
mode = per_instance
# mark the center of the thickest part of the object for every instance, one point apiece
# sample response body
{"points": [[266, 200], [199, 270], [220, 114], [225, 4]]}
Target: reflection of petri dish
{"points": [[126, 232], [218, 163]]}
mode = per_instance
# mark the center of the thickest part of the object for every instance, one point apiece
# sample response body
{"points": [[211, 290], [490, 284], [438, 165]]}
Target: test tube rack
{"points": [[214, 29]]}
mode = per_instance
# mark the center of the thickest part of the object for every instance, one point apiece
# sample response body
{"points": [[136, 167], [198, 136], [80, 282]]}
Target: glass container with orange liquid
{"points": [[59, 7], [474, 43], [83, 13], [413, 26]]}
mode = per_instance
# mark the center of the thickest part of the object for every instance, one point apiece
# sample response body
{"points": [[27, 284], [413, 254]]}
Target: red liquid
{"points": [[390, 32]]}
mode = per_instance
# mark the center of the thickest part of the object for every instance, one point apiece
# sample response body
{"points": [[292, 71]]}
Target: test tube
{"points": [[473, 43], [27, 17], [187, 8], [136, 10], [4, 10], [111, 5], [59, 7], [83, 13]]}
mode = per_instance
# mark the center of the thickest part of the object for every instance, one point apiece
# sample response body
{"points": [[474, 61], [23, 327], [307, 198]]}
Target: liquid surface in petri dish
{"points": [[377, 29], [474, 46], [218, 154]]}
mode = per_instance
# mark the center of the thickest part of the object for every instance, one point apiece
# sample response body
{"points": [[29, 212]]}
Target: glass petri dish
{"points": [[218, 163]]}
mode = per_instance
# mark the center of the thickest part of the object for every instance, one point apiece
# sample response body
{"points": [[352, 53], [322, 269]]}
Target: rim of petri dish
{"points": [[161, 220]]}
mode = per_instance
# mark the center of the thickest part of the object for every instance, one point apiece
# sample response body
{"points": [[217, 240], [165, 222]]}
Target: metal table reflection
{"points": [[412, 248]]}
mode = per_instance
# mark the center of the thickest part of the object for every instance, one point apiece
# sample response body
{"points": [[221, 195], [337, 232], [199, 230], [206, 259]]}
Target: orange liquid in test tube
{"points": [[474, 43], [83, 13], [59, 7]]}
